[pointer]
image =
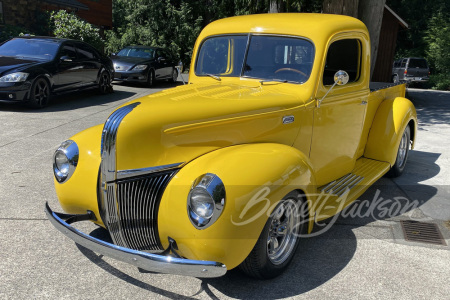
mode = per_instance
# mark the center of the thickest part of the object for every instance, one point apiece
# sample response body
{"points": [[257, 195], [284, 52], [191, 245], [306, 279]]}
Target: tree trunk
{"points": [[371, 13], [368, 11], [276, 6], [341, 7]]}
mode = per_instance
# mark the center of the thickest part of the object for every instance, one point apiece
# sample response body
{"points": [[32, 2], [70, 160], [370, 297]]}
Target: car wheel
{"points": [[151, 78], [174, 77], [104, 83], [402, 154], [395, 79], [278, 241], [40, 93]]}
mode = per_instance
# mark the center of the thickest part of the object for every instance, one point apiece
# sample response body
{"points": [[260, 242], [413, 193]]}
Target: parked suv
{"points": [[410, 69]]}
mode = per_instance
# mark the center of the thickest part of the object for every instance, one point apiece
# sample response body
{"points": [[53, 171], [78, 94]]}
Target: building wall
{"points": [[99, 13], [386, 48], [23, 12]]}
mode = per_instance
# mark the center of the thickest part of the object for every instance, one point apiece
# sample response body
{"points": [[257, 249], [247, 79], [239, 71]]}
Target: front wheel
{"points": [[278, 241], [402, 154], [174, 77], [40, 93]]}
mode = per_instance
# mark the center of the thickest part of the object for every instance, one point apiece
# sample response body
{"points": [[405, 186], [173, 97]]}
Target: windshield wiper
{"points": [[214, 76]]}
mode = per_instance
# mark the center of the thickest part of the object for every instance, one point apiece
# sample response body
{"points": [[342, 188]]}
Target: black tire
{"points": [[174, 77], [104, 83], [402, 155], [39, 93], [151, 78], [263, 263]]}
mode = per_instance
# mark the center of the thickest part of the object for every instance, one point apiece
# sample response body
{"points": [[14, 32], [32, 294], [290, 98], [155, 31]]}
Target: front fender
{"points": [[79, 193], [256, 177], [390, 121]]}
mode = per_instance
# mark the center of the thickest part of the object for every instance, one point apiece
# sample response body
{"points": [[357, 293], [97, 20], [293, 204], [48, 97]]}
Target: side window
{"points": [[403, 65], [159, 54], [85, 52], [68, 50], [343, 55]]}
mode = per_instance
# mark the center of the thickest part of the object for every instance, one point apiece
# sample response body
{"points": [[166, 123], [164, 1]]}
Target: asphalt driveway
{"points": [[363, 256]]}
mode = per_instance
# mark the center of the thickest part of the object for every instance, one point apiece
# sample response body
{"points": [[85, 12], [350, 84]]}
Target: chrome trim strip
{"points": [[147, 261], [108, 172], [121, 174]]}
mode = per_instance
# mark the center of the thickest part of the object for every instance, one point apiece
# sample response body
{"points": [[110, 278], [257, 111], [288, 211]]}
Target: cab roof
{"points": [[309, 25]]}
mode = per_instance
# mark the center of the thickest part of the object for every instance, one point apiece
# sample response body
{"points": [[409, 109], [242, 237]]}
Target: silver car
{"points": [[410, 69]]}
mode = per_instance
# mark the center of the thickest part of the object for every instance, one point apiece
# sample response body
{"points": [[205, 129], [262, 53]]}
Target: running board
{"points": [[349, 187]]}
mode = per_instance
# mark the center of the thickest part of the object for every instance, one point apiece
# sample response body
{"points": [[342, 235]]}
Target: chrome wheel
{"points": [[174, 75], [402, 150], [103, 82], [283, 232], [40, 93]]}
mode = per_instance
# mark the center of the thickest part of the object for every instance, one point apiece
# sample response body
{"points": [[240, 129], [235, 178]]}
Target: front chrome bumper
{"points": [[147, 261]]}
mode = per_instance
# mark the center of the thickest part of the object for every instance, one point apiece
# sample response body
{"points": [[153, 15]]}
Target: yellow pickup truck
{"points": [[278, 128]]}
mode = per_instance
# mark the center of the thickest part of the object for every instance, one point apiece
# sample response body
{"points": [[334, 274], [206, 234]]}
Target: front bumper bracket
{"points": [[160, 263]]}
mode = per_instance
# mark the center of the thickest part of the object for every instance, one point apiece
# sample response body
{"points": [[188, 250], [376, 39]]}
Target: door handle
{"points": [[364, 102]]}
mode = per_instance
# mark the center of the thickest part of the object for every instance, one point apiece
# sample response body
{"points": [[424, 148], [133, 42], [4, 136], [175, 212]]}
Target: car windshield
{"points": [[417, 63], [271, 58], [137, 52], [30, 48]]}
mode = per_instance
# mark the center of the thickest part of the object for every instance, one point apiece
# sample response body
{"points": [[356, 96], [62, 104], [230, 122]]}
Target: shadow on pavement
{"points": [[70, 101], [433, 107]]}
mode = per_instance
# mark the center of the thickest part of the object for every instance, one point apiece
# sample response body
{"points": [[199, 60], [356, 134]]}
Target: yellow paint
{"points": [[234, 128]]}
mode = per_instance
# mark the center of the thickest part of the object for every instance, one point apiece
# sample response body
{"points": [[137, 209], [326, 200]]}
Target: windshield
{"points": [[30, 48], [137, 52], [276, 58]]}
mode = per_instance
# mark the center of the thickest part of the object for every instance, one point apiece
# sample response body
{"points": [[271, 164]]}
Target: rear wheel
{"points": [[395, 79], [151, 78], [402, 154], [40, 93], [278, 241], [104, 83]]}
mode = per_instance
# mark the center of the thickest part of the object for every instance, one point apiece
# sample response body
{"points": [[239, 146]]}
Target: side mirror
{"points": [[113, 54], [340, 78], [65, 58]]}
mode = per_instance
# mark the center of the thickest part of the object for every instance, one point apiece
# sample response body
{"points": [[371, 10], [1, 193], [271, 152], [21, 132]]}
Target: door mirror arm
{"points": [[340, 78]]}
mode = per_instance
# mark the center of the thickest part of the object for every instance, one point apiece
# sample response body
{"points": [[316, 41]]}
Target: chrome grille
{"points": [[131, 216]]}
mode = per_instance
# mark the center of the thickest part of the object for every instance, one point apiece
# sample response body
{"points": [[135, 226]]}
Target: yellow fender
{"points": [[256, 177], [390, 121], [79, 193]]}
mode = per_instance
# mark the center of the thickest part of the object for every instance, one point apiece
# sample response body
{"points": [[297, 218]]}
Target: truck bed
{"points": [[375, 86]]}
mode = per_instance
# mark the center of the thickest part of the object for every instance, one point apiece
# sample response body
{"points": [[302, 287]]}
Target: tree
{"points": [[68, 25]]}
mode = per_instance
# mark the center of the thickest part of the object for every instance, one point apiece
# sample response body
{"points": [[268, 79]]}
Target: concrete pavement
{"points": [[362, 257]]}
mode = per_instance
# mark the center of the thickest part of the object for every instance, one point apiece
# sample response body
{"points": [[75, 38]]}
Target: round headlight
{"points": [[206, 200], [65, 161]]}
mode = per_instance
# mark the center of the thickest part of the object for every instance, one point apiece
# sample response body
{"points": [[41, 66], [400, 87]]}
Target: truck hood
{"points": [[180, 124]]}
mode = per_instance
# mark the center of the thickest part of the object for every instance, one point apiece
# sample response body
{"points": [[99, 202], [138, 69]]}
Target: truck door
{"points": [[338, 122]]}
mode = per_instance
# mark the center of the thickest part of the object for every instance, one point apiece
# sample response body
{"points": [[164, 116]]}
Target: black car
{"points": [[33, 68], [144, 64]]}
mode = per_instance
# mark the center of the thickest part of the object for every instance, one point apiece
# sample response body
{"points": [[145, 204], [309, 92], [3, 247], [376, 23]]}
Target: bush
{"points": [[9, 31], [68, 25], [440, 82]]}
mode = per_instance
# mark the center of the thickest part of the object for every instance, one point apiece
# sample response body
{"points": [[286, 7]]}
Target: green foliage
{"points": [[68, 25], [175, 24], [428, 35], [9, 31]]}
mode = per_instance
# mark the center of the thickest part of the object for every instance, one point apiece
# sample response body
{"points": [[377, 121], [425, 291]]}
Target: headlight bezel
{"points": [[69, 150], [214, 187], [140, 67], [15, 77]]}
